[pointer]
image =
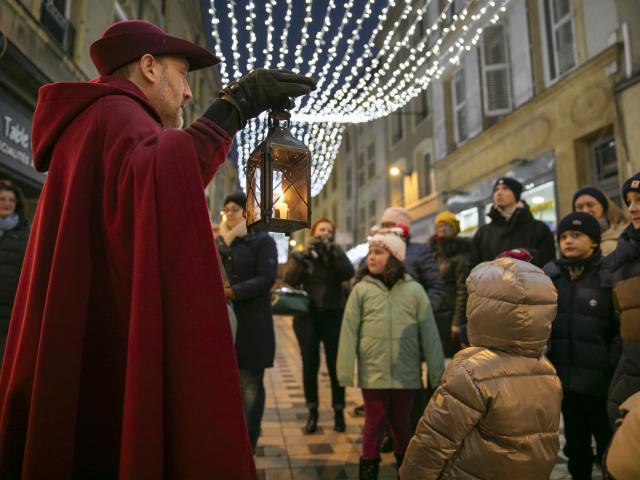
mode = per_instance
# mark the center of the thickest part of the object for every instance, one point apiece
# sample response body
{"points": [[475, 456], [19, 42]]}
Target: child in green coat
{"points": [[388, 322]]}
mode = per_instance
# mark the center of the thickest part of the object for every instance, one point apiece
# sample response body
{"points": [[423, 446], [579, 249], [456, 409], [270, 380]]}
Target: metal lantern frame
{"points": [[262, 211]]}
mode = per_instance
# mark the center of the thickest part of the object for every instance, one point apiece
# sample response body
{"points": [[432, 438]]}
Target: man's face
{"points": [[503, 197], [172, 91]]}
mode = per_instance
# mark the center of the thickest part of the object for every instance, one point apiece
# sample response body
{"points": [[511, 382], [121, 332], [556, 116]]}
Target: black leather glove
{"points": [[262, 89]]}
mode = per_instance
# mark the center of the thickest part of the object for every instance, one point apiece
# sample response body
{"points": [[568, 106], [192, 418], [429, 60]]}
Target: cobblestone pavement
{"points": [[284, 451]]}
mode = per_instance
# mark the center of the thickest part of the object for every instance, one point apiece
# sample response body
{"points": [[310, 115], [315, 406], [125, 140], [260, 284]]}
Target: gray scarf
{"points": [[8, 223]]}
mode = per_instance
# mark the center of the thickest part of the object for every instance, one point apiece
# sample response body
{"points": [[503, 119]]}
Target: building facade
{"points": [[43, 41], [550, 94], [539, 98]]}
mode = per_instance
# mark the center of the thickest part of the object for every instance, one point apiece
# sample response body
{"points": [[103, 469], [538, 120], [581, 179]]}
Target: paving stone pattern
{"points": [[285, 452]]}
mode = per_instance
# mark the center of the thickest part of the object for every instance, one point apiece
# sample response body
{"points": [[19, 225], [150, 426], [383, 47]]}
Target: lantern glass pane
{"points": [[290, 182], [254, 188]]}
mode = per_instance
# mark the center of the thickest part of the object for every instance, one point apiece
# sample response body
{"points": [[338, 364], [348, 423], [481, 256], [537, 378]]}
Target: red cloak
{"points": [[119, 361]]}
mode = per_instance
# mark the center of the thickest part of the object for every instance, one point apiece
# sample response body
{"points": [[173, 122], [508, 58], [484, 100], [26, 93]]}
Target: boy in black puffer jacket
{"points": [[585, 339]]}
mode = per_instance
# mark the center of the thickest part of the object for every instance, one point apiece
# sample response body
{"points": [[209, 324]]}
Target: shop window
{"points": [[371, 161], [424, 175], [459, 106], [559, 37], [423, 107], [54, 16], [495, 71]]}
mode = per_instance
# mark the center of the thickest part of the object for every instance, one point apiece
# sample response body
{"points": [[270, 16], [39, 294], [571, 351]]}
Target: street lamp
{"points": [[396, 172]]}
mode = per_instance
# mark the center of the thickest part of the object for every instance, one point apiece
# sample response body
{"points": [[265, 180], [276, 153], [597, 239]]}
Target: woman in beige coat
{"points": [[497, 413]]}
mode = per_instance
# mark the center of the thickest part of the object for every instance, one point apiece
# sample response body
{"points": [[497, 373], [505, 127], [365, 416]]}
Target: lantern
{"points": [[279, 180]]}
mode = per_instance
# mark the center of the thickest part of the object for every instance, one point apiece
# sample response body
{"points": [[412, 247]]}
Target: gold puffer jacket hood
{"points": [[496, 414], [512, 304]]}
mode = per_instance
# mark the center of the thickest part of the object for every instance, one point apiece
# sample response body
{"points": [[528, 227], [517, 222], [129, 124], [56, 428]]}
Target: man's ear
{"points": [[149, 68]]}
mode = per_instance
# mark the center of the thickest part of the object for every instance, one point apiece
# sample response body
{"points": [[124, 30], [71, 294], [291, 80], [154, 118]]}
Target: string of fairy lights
{"points": [[370, 57]]}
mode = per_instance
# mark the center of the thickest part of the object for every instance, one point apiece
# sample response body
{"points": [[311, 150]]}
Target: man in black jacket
{"points": [[512, 226], [419, 261]]}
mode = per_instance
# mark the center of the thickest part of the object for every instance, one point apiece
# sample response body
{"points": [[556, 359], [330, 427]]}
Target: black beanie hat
{"points": [[239, 198], [631, 185], [512, 184], [593, 192], [581, 222]]}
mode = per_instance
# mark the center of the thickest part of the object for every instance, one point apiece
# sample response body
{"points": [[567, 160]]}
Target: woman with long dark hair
{"points": [[320, 271], [14, 233]]}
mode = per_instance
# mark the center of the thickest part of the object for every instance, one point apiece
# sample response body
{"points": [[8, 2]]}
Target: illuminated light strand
{"points": [[322, 95], [304, 37], [393, 89], [284, 50], [270, 28], [250, 27]]}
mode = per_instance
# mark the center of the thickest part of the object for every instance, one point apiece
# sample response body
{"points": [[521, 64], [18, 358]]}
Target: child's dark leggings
{"points": [[384, 407]]}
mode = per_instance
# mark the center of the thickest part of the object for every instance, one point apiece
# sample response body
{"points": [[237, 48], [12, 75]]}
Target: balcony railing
{"points": [[58, 26]]}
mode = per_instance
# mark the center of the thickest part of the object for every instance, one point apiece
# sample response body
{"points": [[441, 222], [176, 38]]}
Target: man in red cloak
{"points": [[119, 361]]}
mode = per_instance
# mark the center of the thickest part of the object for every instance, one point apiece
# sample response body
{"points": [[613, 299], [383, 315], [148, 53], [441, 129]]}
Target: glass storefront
{"points": [[538, 178]]}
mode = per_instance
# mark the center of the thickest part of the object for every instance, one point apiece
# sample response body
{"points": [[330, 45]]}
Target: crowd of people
{"points": [[131, 350], [531, 335]]}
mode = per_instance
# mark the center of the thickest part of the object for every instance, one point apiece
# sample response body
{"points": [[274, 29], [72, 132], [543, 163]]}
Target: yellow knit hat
{"points": [[450, 218]]}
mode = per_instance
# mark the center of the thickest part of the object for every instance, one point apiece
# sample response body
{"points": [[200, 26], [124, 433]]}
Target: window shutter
{"points": [[495, 70], [439, 125], [520, 54], [474, 101]]}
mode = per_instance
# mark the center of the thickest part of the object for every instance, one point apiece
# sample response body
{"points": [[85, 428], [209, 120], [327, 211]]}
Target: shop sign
{"points": [[15, 134]]}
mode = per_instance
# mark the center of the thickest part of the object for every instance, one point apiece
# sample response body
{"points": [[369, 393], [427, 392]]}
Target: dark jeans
{"points": [[319, 326], [584, 416], [253, 398]]}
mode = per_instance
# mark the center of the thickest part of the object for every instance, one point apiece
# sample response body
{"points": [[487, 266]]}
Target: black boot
{"points": [[339, 425], [312, 421], [369, 469]]}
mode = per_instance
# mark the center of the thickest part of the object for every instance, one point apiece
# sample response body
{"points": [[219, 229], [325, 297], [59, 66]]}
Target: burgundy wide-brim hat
{"points": [[125, 42]]}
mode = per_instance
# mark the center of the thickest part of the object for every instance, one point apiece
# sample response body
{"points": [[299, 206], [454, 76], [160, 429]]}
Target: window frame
{"points": [[486, 69], [549, 28], [458, 106]]}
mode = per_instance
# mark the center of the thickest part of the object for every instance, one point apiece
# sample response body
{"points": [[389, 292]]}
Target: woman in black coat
{"points": [[250, 261], [320, 271], [14, 233], [453, 257]]}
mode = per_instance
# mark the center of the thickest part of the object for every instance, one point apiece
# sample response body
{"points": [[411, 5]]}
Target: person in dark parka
{"points": [[585, 339], [419, 261], [624, 263], [452, 254], [14, 233], [250, 262], [512, 226], [320, 271]]}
